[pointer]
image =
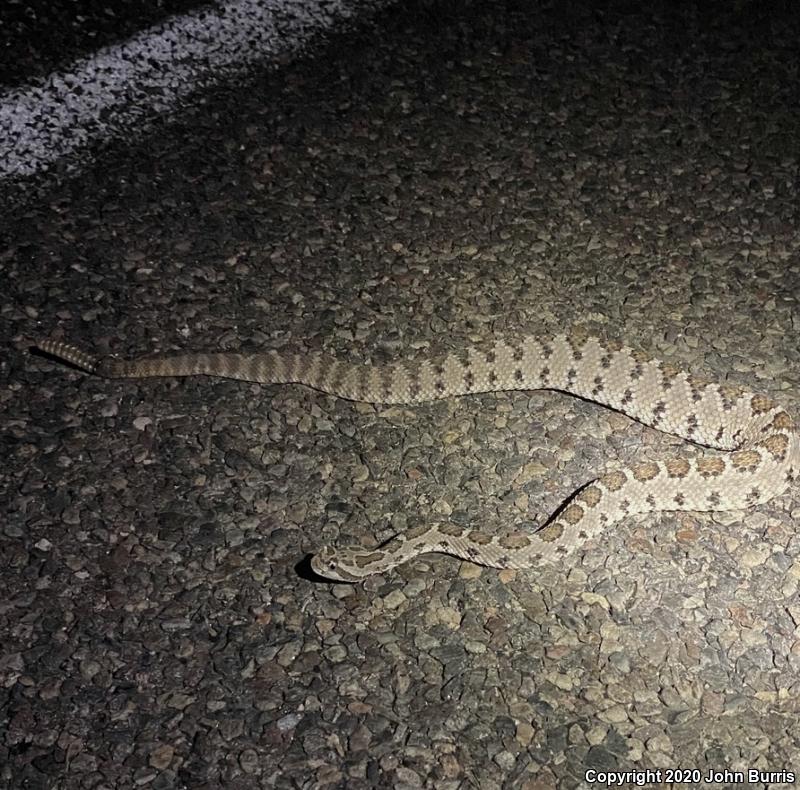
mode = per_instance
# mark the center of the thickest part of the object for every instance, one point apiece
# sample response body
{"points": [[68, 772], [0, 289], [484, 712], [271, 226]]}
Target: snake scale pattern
{"points": [[760, 440]]}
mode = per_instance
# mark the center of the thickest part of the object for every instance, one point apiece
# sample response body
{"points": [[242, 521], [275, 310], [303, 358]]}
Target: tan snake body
{"points": [[761, 440]]}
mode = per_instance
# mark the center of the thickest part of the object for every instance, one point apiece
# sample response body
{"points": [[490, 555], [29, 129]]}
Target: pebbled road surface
{"points": [[442, 173]]}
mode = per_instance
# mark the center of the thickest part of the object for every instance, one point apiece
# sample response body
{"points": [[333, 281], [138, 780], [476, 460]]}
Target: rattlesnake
{"points": [[762, 441]]}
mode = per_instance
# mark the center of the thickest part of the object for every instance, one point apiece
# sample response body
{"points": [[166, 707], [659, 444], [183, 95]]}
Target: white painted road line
{"points": [[119, 88]]}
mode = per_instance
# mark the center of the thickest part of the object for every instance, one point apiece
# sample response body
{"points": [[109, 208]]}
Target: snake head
{"points": [[338, 564]]}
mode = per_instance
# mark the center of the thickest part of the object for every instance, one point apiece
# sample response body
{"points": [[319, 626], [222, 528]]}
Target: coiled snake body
{"points": [[761, 441]]}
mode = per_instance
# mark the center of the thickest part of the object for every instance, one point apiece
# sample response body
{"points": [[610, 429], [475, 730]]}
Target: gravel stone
{"points": [[614, 714]]}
